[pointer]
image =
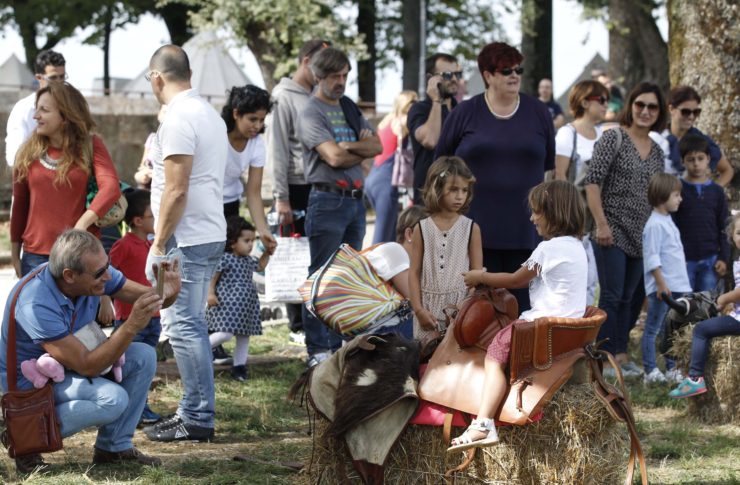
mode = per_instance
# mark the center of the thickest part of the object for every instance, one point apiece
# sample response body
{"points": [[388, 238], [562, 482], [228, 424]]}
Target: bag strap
{"points": [[575, 142], [12, 361], [618, 397]]}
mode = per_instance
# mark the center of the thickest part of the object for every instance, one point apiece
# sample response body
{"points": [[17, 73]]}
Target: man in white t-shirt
{"points": [[187, 201], [49, 67]]}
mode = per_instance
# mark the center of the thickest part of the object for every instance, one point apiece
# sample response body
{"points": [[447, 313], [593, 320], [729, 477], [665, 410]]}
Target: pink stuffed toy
{"points": [[41, 370], [47, 367]]}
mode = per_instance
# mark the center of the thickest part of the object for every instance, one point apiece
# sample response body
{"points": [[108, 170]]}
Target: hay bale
{"points": [[575, 442], [721, 402]]}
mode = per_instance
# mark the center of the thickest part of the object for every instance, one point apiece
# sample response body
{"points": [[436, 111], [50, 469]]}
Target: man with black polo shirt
{"points": [[336, 138], [426, 117]]}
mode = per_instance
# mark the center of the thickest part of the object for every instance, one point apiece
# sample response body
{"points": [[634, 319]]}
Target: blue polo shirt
{"points": [[44, 314]]}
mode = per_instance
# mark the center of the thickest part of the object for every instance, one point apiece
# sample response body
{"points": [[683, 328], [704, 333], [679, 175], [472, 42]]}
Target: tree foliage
{"points": [[274, 30]]}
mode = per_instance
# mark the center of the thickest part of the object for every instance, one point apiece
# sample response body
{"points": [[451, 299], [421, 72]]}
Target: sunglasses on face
{"points": [[652, 107], [686, 112], [507, 71], [99, 273], [600, 99], [448, 75]]}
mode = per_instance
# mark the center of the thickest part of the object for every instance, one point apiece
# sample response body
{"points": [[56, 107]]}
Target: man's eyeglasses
{"points": [[55, 77], [447, 75], [99, 273], [652, 107], [600, 99], [149, 75], [507, 71], [686, 112]]}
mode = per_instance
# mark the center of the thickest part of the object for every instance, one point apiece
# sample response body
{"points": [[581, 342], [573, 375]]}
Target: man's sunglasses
{"points": [[600, 99], [447, 75], [686, 112], [507, 71], [99, 273], [652, 107]]}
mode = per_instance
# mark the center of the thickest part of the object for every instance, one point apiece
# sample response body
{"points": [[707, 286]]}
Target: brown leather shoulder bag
{"points": [[31, 424]]}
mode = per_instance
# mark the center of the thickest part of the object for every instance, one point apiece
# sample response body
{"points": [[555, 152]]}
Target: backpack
{"points": [[348, 296]]}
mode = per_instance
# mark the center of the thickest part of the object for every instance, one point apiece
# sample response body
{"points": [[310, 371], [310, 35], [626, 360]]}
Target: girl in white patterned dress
{"points": [[444, 245]]}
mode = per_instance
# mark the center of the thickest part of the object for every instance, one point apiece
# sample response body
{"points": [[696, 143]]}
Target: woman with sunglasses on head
{"points": [[624, 159], [508, 141], [684, 105], [51, 174], [574, 146]]}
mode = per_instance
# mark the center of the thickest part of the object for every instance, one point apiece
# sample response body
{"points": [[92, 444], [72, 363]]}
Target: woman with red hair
{"points": [[508, 141]]}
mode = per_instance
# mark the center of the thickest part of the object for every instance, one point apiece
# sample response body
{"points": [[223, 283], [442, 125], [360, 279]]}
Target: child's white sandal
{"points": [[464, 441]]}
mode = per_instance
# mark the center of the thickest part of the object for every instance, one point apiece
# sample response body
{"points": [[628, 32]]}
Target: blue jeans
{"points": [[188, 333], [331, 220], [701, 274], [619, 276], [703, 334], [656, 312], [29, 261], [113, 408], [384, 199], [148, 335]]}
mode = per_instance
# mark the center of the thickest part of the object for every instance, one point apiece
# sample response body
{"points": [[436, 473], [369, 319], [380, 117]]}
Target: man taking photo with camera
{"points": [[426, 117]]}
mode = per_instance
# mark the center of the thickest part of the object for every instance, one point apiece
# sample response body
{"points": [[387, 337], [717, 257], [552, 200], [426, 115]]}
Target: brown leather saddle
{"points": [[543, 355]]}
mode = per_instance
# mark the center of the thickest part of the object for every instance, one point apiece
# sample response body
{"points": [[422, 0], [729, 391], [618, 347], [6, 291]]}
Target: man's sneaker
{"points": [[220, 356], [690, 386], [29, 463], [674, 375], [654, 377], [317, 358], [163, 421], [297, 338], [102, 457], [177, 430], [239, 373], [148, 416]]}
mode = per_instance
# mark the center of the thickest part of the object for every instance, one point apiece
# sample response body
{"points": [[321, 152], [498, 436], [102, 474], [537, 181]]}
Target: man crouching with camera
{"points": [[58, 300]]}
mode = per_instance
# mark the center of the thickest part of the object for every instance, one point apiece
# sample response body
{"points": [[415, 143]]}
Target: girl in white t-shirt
{"points": [[244, 114], [556, 276], [574, 143]]}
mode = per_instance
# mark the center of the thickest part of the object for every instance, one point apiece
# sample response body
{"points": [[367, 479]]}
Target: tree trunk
{"points": [[637, 52], [536, 20], [705, 54], [175, 16], [263, 51], [106, 49], [412, 48], [366, 68]]}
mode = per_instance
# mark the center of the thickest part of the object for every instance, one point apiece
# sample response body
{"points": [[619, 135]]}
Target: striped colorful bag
{"points": [[348, 296]]}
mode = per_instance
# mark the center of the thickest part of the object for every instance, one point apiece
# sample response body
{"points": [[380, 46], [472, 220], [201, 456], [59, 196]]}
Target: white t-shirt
{"points": [[193, 127], [237, 163], [584, 146], [20, 126], [559, 289], [388, 260]]}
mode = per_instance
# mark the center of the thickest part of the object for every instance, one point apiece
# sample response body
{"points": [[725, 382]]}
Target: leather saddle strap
{"points": [[622, 401], [449, 474]]}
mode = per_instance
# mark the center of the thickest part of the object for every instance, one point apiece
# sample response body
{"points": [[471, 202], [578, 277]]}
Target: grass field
{"points": [[257, 423]]}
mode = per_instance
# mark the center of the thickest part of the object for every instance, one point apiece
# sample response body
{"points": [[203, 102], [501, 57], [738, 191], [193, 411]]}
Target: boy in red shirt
{"points": [[128, 255]]}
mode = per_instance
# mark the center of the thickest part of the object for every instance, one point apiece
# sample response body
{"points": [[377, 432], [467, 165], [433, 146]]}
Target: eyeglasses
{"points": [[55, 77], [600, 99], [99, 273], [507, 71], [447, 75], [652, 107], [149, 75], [686, 112]]}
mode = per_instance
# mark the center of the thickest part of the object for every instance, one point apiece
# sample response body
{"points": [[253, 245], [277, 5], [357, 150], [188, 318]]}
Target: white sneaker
{"points": [[655, 376], [674, 375]]}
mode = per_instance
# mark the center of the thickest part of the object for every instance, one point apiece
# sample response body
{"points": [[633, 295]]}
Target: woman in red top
{"points": [[378, 189], [51, 174]]}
